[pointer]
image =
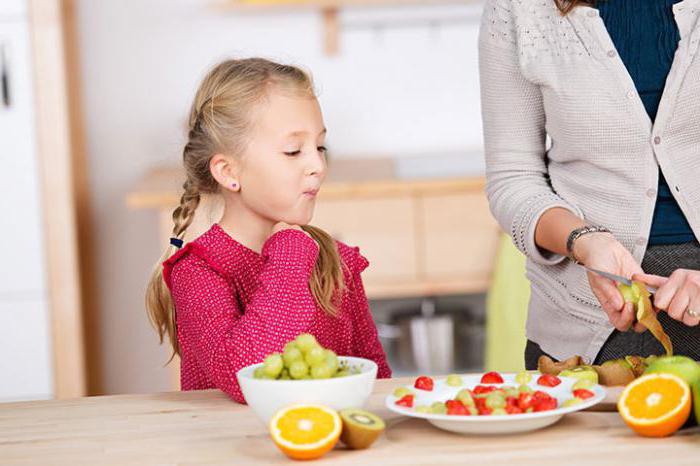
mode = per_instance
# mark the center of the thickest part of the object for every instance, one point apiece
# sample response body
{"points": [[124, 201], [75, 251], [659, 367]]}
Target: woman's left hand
{"points": [[678, 295]]}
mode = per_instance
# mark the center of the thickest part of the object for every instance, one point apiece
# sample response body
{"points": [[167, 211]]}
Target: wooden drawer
{"points": [[383, 228], [459, 237]]}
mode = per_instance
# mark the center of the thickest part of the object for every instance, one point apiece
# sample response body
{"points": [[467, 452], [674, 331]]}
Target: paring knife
{"points": [[618, 278]]}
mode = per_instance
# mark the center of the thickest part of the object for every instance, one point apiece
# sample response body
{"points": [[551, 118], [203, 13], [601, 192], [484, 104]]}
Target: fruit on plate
{"points": [[405, 401], [571, 402], [656, 404], [360, 428], [303, 358], [424, 383], [583, 394], [305, 432], [453, 380], [646, 315], [581, 373], [400, 392], [682, 366], [583, 384], [548, 380], [491, 377], [523, 378]]}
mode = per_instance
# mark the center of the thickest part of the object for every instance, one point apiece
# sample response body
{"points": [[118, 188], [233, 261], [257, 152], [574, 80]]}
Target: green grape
{"points": [[315, 356], [259, 373], [525, 389], [290, 345], [453, 380], [332, 360], [291, 354], [342, 373], [512, 391], [305, 342], [523, 378], [438, 408], [423, 409], [273, 365], [321, 371], [495, 400], [583, 383], [499, 412], [298, 370], [572, 402], [465, 396], [400, 392], [284, 375]]}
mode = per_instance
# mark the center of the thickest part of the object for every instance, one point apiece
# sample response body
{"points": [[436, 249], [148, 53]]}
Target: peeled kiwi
{"points": [[360, 428]]}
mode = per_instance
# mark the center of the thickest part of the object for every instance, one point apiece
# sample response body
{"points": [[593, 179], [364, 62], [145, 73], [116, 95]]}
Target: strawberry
{"points": [[424, 383], [483, 389], [546, 404], [548, 380], [583, 393], [492, 377], [455, 407], [406, 401], [513, 410], [525, 400]]}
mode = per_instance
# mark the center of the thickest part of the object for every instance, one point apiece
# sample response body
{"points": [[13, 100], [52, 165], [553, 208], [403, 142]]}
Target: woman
{"points": [[590, 127]]}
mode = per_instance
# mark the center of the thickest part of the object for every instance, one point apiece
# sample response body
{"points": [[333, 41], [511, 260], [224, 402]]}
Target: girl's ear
{"points": [[225, 171]]}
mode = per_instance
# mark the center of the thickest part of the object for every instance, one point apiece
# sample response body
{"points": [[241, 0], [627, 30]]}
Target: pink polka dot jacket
{"points": [[235, 306]]}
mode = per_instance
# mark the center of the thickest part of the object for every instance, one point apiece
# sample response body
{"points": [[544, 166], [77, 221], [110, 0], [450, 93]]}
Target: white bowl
{"points": [[267, 396], [491, 425]]}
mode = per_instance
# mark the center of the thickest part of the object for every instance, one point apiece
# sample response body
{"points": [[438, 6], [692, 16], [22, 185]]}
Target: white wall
{"points": [[399, 92]]}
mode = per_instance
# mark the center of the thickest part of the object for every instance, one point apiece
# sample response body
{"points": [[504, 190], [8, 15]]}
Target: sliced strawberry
{"points": [[548, 380], [526, 400], [482, 389], [455, 407], [492, 377], [513, 410], [424, 383], [406, 401], [583, 393], [545, 404]]}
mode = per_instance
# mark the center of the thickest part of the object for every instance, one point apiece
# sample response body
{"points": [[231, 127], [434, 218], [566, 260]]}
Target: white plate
{"points": [[487, 425]]}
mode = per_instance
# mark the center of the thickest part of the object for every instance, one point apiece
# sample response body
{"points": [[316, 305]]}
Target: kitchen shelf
{"points": [[330, 11]]}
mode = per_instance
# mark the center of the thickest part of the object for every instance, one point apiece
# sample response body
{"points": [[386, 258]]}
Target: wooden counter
{"points": [[205, 428]]}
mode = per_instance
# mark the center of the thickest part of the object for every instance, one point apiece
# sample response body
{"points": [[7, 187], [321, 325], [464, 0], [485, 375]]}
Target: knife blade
{"points": [[617, 278]]}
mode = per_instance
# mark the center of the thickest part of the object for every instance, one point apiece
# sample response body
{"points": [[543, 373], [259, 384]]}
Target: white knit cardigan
{"points": [[544, 77]]}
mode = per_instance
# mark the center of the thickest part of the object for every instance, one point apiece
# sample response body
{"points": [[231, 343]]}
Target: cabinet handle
{"points": [[4, 78]]}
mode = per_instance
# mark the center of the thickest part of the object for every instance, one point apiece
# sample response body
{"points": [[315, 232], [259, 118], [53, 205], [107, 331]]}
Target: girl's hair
{"points": [[565, 6], [219, 122]]}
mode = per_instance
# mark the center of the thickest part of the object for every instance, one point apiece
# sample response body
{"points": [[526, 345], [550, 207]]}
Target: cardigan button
{"points": [[657, 140], [640, 241], [612, 53], [651, 193], [592, 14]]}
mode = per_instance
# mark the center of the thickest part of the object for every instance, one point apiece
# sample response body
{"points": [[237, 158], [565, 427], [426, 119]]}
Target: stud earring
{"points": [[234, 185]]}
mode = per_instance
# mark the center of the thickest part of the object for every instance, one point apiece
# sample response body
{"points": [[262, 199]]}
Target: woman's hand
{"points": [[603, 252], [678, 295]]}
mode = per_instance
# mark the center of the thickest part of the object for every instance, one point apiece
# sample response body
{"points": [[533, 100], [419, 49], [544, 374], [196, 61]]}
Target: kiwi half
{"points": [[360, 428]]}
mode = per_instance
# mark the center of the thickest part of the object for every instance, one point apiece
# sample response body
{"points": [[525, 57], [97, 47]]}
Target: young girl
{"points": [[257, 279]]}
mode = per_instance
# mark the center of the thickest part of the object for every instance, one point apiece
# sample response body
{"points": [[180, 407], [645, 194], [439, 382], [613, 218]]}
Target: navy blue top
{"points": [[646, 36]]}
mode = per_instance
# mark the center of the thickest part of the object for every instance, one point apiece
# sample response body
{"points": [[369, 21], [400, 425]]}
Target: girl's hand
{"points": [[603, 252], [678, 295], [286, 226]]}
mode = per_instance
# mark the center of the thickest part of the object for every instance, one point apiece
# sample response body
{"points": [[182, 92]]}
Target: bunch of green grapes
{"points": [[303, 358]]}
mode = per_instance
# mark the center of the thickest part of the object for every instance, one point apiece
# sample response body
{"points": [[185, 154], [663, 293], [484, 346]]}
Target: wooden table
{"points": [[205, 428]]}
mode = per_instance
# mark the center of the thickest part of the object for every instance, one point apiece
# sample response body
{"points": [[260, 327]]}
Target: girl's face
{"points": [[284, 163]]}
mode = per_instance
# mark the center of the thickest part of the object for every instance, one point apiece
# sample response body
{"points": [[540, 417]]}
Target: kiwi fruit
{"points": [[360, 428]]}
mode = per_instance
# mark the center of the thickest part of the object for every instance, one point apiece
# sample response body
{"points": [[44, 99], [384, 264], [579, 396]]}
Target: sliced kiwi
{"points": [[360, 428]]}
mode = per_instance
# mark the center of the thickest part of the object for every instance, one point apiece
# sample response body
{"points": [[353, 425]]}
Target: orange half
{"points": [[305, 432], [655, 405]]}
